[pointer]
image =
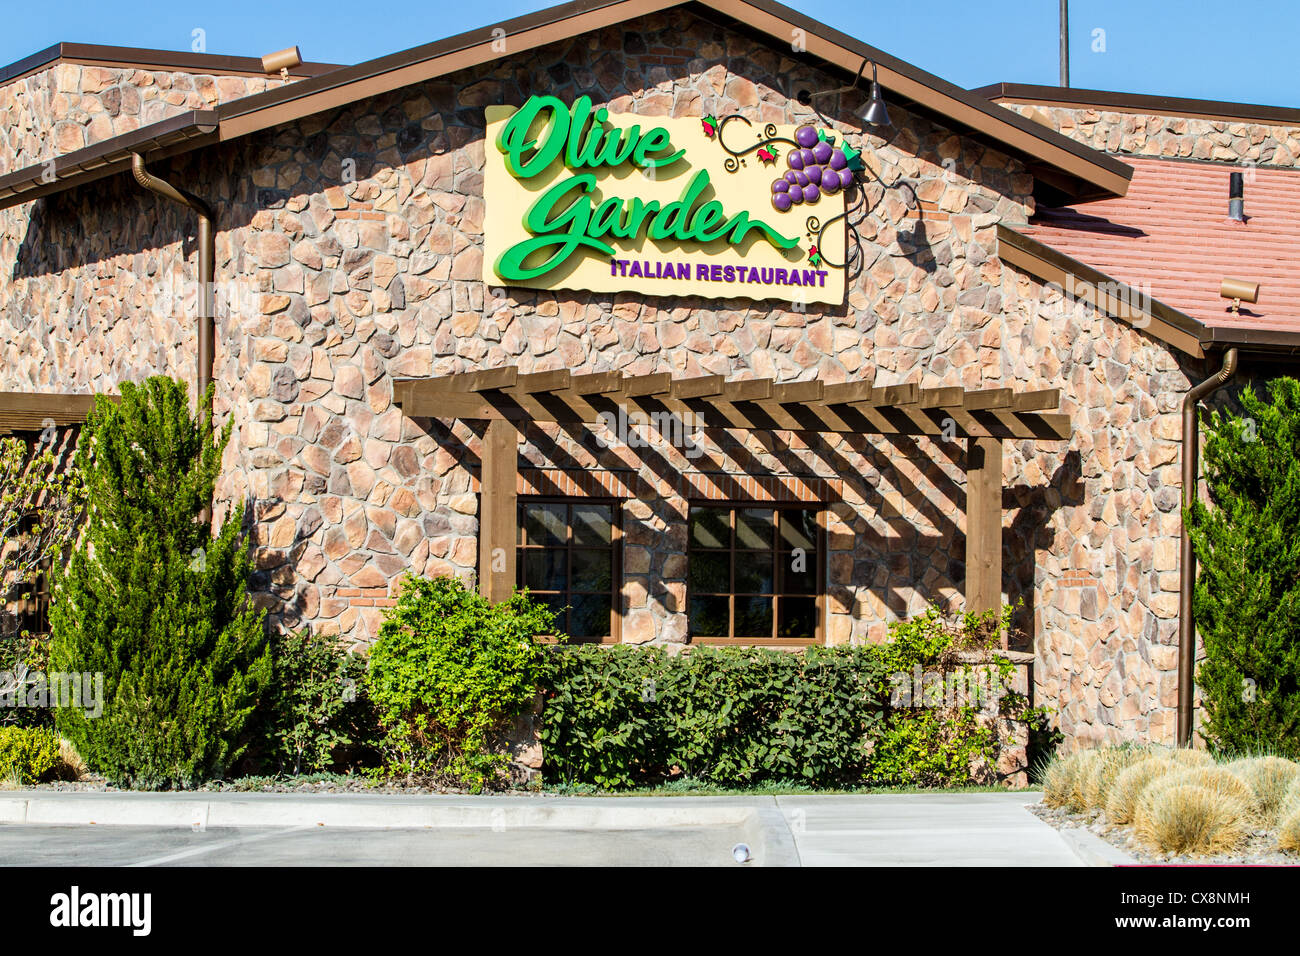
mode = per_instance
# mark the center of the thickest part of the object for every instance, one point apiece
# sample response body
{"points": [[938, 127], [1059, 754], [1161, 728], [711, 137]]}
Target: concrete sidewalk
{"points": [[940, 829]]}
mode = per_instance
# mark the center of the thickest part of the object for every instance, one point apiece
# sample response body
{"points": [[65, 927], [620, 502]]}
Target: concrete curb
{"points": [[1093, 850], [763, 826]]}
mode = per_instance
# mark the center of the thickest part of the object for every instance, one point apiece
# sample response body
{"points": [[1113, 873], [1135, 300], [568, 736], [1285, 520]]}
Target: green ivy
{"points": [[622, 717], [449, 673]]}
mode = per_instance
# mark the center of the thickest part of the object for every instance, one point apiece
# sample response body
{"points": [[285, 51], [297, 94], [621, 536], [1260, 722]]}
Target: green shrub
{"points": [[27, 754], [317, 715], [627, 716], [1247, 598], [156, 603], [449, 673]]}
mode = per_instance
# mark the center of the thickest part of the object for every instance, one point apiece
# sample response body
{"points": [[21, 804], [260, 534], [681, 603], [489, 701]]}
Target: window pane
{"points": [[544, 569], [592, 524], [798, 617], [590, 615], [591, 571], [798, 529], [708, 616], [710, 572], [754, 527], [754, 573], [710, 528], [556, 603], [544, 524], [798, 572], [753, 617]]}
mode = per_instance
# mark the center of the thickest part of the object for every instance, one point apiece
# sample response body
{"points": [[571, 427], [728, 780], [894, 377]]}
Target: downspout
{"points": [[1187, 567], [207, 272]]}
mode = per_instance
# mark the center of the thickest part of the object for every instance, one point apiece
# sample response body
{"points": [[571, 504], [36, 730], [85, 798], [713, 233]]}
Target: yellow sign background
{"points": [[749, 188]]}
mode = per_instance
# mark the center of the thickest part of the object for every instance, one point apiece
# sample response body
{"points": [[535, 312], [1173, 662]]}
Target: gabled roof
{"points": [[1066, 170], [122, 57], [1170, 240], [1145, 103]]}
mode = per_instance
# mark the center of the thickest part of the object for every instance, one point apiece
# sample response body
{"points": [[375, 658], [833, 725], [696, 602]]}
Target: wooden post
{"points": [[498, 525], [983, 524]]}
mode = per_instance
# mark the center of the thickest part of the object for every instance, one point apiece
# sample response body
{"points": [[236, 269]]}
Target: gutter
{"points": [[1187, 566], [207, 274]]}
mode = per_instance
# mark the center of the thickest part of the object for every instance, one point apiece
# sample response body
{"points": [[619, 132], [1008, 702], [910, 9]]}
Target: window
{"points": [[754, 573], [566, 559]]}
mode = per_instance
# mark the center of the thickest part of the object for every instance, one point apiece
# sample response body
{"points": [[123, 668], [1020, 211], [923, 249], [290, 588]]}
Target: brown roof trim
{"points": [[94, 54], [1091, 173], [1116, 299], [1096, 173], [1139, 103], [1078, 172], [170, 136]]}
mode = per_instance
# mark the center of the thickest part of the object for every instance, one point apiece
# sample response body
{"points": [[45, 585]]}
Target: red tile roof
{"points": [[1171, 238]]}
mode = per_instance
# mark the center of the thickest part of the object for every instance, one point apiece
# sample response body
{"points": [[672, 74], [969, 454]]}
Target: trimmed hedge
{"points": [[622, 716]]}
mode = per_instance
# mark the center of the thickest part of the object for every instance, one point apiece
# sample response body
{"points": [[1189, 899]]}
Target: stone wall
{"points": [[69, 105], [1171, 137], [333, 287]]}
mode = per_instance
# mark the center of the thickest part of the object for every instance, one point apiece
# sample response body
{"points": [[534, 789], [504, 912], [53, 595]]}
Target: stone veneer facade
{"points": [[331, 288]]}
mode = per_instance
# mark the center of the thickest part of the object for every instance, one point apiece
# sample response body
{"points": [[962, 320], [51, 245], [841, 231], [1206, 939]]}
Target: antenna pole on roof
{"points": [[1065, 43]]}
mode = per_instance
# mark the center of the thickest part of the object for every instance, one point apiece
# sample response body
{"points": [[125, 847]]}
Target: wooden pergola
{"points": [[34, 411], [509, 400]]}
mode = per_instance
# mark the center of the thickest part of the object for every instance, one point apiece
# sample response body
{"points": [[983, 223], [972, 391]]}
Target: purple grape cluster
{"points": [[816, 167]]}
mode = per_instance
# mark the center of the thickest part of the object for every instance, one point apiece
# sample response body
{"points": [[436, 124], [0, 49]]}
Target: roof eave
{"points": [[173, 135]]}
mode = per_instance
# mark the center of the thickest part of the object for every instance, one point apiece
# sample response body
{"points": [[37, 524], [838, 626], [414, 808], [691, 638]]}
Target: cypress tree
{"points": [[155, 602], [1247, 595]]}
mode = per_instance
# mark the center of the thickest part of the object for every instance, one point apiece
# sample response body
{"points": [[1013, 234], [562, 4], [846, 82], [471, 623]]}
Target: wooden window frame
{"points": [[616, 554], [819, 592]]}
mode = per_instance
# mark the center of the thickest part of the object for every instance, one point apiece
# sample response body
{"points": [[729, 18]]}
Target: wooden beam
{"points": [[1040, 401], [541, 382], [479, 381], [498, 533], [701, 387], [756, 404], [984, 524], [988, 398]]}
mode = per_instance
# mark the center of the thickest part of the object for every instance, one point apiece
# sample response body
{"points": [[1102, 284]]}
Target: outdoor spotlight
{"points": [[1239, 291], [874, 113], [282, 61]]}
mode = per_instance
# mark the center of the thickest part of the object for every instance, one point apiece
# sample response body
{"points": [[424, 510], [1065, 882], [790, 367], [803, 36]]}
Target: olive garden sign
{"points": [[579, 199]]}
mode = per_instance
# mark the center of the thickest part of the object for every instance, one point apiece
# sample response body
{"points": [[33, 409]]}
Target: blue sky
{"points": [[1241, 50]]}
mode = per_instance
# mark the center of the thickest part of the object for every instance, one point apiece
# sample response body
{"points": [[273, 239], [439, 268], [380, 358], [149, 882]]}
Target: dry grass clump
{"points": [[1220, 782], [1103, 772], [1288, 831], [1187, 757], [1185, 818], [1127, 787], [70, 765], [1065, 778], [1270, 780]]}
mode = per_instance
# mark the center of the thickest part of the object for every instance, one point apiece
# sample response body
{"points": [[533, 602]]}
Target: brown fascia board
{"points": [[1049, 265], [1095, 174], [173, 135], [1079, 171], [125, 57], [1070, 97]]}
